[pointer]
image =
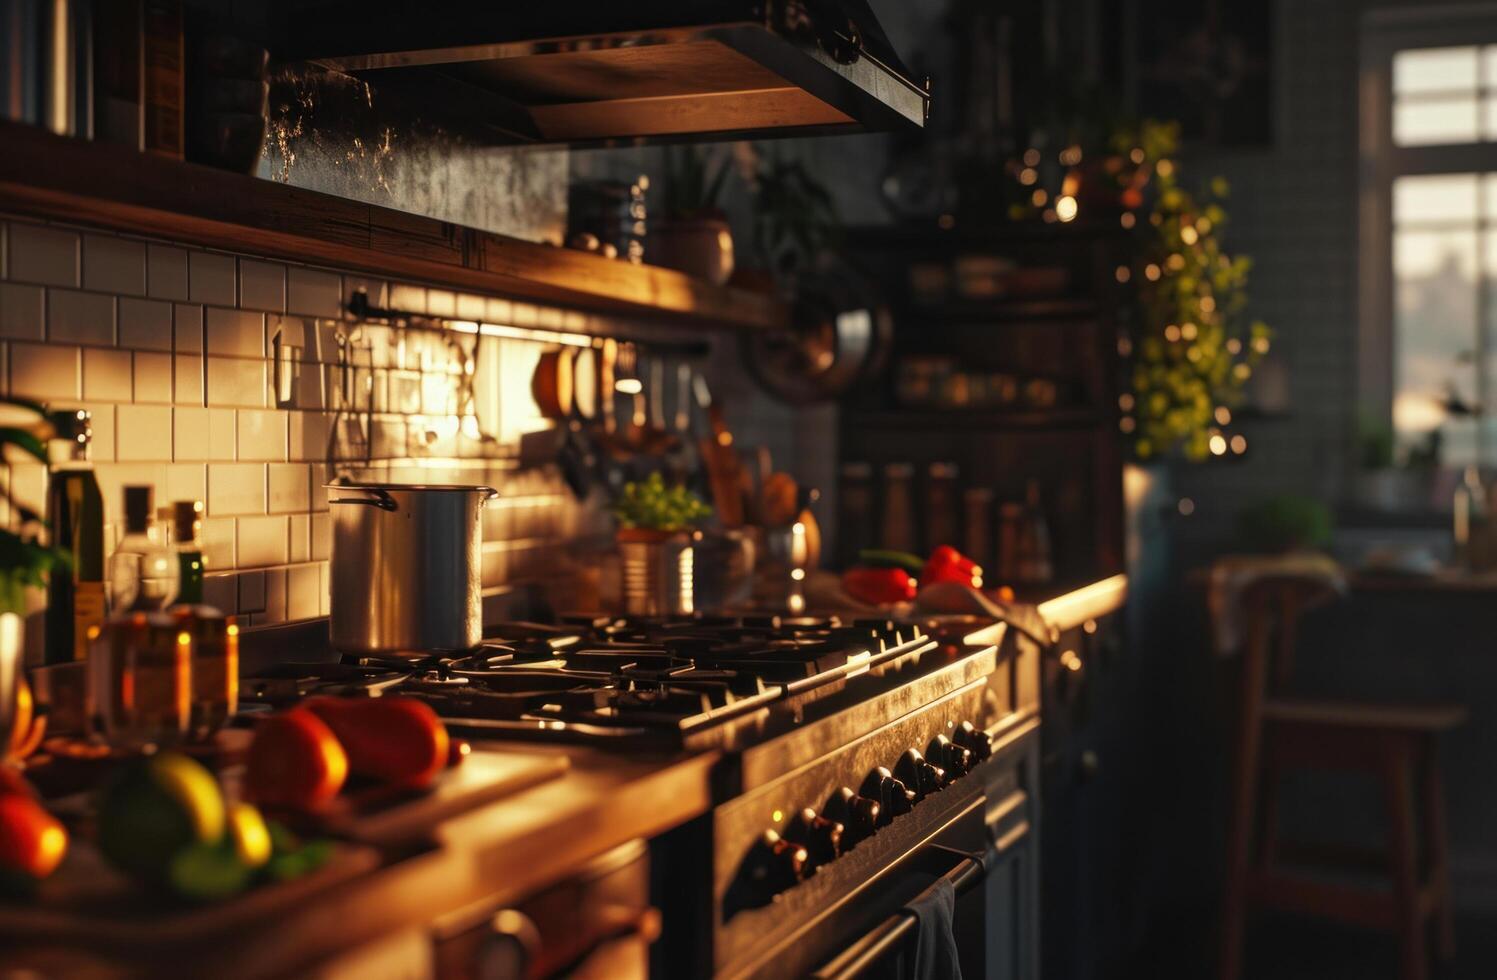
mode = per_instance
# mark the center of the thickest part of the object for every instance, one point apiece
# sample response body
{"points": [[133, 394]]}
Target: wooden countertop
{"points": [[495, 853]]}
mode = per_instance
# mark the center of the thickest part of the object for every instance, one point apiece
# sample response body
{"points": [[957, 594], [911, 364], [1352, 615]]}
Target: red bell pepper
{"points": [[946, 564], [879, 586]]}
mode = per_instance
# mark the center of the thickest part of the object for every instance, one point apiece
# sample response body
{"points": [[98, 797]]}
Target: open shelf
{"points": [[56, 178], [993, 420]]}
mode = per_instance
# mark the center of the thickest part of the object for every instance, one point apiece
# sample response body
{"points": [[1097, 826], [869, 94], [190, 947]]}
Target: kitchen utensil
{"points": [[840, 334], [551, 384], [720, 458], [406, 567]]}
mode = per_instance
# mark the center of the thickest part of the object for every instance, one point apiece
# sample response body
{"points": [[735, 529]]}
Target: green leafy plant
{"points": [[692, 184], [1285, 523], [795, 217], [652, 504], [25, 560], [1195, 349]]}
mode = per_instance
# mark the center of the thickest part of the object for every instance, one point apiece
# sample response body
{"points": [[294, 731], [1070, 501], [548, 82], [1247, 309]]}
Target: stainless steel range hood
{"points": [[627, 71]]}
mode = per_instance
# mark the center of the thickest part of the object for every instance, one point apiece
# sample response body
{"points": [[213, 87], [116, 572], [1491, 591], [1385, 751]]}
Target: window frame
{"points": [[1385, 32]]}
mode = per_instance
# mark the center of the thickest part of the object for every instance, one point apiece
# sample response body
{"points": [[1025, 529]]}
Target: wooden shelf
{"points": [[978, 313], [56, 178], [974, 419]]}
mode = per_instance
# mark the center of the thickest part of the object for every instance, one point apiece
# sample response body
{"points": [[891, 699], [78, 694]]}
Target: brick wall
{"points": [[175, 351]]}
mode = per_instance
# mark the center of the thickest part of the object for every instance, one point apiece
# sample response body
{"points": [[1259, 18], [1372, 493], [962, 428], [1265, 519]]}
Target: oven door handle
{"points": [[866, 951]]}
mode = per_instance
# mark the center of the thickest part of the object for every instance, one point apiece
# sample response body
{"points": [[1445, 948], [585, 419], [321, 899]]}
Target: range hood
{"points": [[624, 71]]}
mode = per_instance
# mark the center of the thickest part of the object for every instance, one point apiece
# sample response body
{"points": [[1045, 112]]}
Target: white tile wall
{"points": [[170, 348]]}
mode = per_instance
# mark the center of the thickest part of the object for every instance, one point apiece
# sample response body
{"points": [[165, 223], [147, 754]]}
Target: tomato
{"points": [[295, 761], [395, 740], [32, 842]]}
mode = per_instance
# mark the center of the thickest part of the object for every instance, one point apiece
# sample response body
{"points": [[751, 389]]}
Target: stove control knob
{"points": [[859, 816], [974, 739], [893, 796], [924, 776], [956, 759], [822, 838], [783, 862]]}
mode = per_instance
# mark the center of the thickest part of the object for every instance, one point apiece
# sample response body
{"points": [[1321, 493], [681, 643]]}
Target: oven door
{"points": [[886, 947]]}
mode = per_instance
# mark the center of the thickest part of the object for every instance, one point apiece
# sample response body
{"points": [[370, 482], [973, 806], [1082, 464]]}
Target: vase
{"points": [[657, 572], [701, 247]]}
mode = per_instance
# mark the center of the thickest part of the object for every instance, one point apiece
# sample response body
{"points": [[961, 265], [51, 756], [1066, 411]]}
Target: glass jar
{"points": [[140, 684], [215, 667]]}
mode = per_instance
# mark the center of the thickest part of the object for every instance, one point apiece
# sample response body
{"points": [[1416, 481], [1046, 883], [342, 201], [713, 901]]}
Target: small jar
{"points": [[215, 667]]}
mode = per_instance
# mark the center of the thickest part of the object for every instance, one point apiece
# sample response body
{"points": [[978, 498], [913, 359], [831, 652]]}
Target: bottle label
{"points": [[88, 614]]}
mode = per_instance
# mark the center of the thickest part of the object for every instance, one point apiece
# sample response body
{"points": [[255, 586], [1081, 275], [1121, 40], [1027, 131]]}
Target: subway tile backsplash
{"points": [[234, 379]]}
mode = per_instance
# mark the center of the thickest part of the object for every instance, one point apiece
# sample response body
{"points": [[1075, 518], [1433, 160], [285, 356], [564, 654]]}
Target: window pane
{"points": [[1442, 198], [1434, 70], [1426, 122], [1434, 335]]}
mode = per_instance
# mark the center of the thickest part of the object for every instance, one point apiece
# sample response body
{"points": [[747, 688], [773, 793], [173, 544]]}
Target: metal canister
{"points": [[658, 573]]}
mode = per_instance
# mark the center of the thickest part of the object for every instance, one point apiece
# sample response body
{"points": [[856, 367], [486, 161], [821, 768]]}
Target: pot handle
{"points": [[380, 499]]}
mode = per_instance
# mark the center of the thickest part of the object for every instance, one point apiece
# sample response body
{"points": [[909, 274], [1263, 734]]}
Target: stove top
{"points": [[678, 680]]}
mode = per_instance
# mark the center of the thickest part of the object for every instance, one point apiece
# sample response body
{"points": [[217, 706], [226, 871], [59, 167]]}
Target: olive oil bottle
{"points": [[75, 514]]}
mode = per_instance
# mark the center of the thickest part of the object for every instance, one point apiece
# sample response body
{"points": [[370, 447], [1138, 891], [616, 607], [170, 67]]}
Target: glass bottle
{"points": [[186, 523], [143, 573], [1470, 521], [75, 514], [140, 688]]}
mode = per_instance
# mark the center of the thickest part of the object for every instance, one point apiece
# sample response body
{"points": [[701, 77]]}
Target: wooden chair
{"points": [[1396, 745]]}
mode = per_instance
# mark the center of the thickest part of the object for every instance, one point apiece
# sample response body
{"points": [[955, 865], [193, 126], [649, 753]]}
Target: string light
{"points": [[1039, 197], [1123, 273], [1242, 372], [1239, 444], [1188, 330], [1186, 506], [1136, 154], [1049, 215], [1164, 168], [1028, 176], [1031, 157], [1070, 156], [1175, 262], [1125, 401], [1234, 346], [1188, 235], [1172, 333], [1260, 344], [1208, 304], [1127, 424], [1125, 346], [1193, 354], [1128, 219], [1223, 415], [1065, 207], [1151, 272], [1218, 445]]}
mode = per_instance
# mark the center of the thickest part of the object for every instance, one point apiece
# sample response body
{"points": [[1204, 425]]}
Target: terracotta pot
{"points": [[700, 247]]}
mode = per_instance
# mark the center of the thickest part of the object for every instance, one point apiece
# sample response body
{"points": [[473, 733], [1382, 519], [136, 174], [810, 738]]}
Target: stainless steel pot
{"points": [[406, 567]]}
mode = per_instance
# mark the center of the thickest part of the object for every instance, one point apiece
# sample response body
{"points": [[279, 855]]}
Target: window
{"points": [[1429, 234]]}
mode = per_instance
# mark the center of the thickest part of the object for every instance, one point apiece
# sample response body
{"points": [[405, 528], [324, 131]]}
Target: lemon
{"points": [[249, 834], [157, 807]]}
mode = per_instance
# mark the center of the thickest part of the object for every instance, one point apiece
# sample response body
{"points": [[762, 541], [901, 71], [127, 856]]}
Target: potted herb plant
{"points": [[695, 237], [25, 562], [655, 521]]}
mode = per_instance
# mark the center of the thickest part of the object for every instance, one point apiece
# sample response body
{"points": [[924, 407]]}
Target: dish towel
{"points": [[1231, 576], [932, 955]]}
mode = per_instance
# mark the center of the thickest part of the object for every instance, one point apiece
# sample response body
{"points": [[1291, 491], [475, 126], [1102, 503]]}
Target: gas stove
{"points": [[691, 681], [848, 751]]}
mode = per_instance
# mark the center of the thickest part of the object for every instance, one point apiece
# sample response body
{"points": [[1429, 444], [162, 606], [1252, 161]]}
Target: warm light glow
{"points": [[1417, 413], [1242, 372], [1175, 262], [1234, 346], [1136, 154], [1031, 157], [1193, 354], [1125, 401], [1125, 346], [1208, 304], [1151, 272], [1028, 176], [1089, 627], [1203, 224], [1188, 330], [1126, 424], [797, 528], [1065, 208], [1124, 273], [1128, 219], [1172, 333], [1223, 415], [1239, 444], [1039, 197], [777, 816], [1070, 661], [797, 574], [725, 438], [628, 386], [1186, 506], [1164, 168], [1218, 445], [1049, 216], [1070, 156], [1188, 235], [1260, 344]]}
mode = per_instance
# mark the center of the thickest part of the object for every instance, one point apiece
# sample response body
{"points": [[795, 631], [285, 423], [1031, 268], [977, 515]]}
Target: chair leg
{"points": [[1437, 846], [1403, 862], [1239, 858], [1268, 818]]}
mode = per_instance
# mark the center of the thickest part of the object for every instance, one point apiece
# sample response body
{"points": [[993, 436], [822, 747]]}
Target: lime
{"points": [[155, 808], [208, 872]]}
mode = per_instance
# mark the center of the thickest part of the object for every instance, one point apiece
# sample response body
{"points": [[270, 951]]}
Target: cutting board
{"points": [[381, 817]]}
